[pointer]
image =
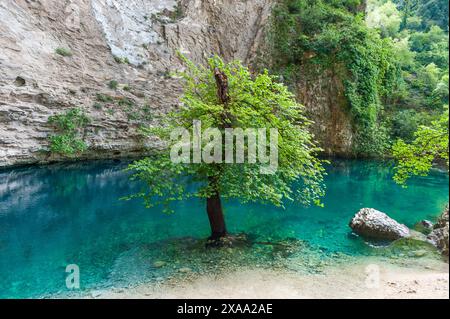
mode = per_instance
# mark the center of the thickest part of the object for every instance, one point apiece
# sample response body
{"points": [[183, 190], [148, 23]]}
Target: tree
{"points": [[386, 18], [432, 12], [224, 96], [430, 144]]}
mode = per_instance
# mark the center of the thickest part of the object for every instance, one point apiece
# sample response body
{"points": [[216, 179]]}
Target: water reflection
{"points": [[71, 213]]}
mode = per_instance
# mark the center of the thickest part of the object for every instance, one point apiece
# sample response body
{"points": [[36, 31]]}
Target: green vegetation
{"points": [[430, 144], [64, 52], [420, 36], [227, 96], [124, 101], [424, 13], [140, 114], [97, 106], [169, 16], [393, 60], [113, 84], [104, 98], [70, 126], [177, 13], [121, 60]]}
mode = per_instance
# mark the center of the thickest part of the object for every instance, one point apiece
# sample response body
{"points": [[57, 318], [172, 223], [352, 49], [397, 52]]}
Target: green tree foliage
{"points": [[404, 123], [254, 102], [69, 126], [430, 12], [421, 48], [417, 157], [431, 46], [386, 18], [331, 33]]}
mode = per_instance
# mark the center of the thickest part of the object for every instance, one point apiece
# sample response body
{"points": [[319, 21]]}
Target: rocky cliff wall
{"points": [[322, 93], [134, 43], [35, 82]]}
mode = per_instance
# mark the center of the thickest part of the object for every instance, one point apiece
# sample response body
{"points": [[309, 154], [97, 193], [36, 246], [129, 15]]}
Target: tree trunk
{"points": [[213, 202], [215, 215]]}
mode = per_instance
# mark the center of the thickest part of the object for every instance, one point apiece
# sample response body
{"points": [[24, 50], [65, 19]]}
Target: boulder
{"points": [[159, 264], [439, 235], [371, 223], [424, 226], [185, 270]]}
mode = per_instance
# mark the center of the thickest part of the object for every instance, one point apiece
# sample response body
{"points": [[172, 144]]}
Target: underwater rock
{"points": [[424, 226], [419, 253], [414, 234], [229, 241], [409, 247], [96, 294], [185, 270], [159, 264], [374, 224], [439, 236]]}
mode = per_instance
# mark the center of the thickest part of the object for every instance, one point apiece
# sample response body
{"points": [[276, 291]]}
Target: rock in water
{"points": [[439, 236], [185, 270], [424, 226], [159, 264], [374, 224]]}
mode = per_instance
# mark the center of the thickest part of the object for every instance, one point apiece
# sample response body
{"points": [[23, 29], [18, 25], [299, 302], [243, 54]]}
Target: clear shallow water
{"points": [[57, 215]]}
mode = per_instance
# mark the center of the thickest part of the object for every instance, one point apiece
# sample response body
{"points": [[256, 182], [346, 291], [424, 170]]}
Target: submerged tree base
{"points": [[228, 240]]}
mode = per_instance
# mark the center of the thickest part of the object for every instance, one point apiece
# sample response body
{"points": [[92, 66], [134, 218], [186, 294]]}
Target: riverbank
{"points": [[405, 279]]}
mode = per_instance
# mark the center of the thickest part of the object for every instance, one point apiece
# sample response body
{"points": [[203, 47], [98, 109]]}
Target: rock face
{"points": [[133, 42], [322, 94], [374, 224], [439, 236]]}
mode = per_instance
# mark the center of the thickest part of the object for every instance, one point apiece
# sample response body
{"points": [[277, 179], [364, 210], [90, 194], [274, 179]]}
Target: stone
{"points": [[35, 82], [159, 264], [426, 223], [373, 224], [439, 236], [424, 226], [185, 270], [419, 253], [96, 293]]}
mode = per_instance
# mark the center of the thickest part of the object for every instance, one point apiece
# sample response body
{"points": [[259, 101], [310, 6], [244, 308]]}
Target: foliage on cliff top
{"points": [[419, 31], [416, 158]]}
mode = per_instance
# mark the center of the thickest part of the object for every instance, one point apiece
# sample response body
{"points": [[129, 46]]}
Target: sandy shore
{"points": [[425, 279]]}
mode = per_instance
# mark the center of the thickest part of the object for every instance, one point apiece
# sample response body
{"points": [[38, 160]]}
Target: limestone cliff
{"points": [[134, 43], [322, 93]]}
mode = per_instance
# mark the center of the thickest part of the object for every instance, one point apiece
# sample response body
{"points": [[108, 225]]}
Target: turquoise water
{"points": [[64, 214]]}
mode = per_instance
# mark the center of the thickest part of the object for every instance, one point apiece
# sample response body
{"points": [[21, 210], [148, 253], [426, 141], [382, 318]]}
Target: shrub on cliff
{"points": [[69, 126]]}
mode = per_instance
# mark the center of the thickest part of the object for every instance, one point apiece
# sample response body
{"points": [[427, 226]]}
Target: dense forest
{"points": [[391, 55]]}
